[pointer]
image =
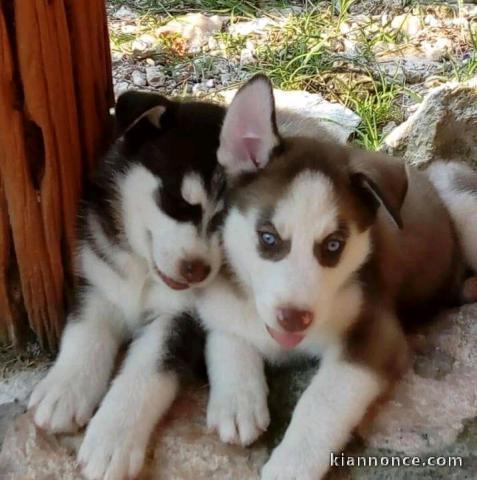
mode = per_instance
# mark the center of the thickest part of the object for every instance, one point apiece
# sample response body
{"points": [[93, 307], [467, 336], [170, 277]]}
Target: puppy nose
{"points": [[194, 271], [293, 320]]}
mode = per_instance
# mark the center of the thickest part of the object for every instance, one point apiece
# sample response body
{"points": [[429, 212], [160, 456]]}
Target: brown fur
{"points": [[412, 268]]}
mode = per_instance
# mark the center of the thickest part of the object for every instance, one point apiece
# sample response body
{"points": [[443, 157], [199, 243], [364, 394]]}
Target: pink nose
{"points": [[194, 271], [293, 320]]}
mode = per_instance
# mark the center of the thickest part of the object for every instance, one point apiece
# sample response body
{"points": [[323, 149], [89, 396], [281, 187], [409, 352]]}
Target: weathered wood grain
{"points": [[55, 90]]}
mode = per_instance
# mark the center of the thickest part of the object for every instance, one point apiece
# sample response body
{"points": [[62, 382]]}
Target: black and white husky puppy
{"points": [[147, 238], [327, 248]]}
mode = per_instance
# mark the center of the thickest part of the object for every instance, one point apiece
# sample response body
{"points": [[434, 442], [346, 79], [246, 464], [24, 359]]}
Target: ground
{"points": [[377, 57], [400, 75]]}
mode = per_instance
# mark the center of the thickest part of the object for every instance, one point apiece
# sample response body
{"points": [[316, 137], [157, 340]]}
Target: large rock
{"points": [[181, 449], [432, 411], [431, 405], [194, 28], [444, 127]]}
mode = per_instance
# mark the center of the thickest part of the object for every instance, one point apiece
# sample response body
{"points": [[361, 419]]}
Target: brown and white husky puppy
{"points": [[327, 249]]}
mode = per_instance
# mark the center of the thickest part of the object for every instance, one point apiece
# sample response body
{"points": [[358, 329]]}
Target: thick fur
{"points": [[152, 205], [396, 251], [155, 200], [457, 185]]}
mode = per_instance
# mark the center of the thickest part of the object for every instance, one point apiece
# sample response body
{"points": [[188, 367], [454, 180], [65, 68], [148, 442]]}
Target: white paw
{"points": [[64, 400], [238, 414], [293, 464], [113, 447]]}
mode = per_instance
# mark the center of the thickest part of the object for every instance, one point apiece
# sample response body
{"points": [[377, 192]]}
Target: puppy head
{"points": [[172, 187], [300, 214]]}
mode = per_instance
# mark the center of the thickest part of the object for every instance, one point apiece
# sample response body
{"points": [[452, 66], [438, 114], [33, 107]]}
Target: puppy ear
{"points": [[249, 132], [132, 107], [381, 180]]}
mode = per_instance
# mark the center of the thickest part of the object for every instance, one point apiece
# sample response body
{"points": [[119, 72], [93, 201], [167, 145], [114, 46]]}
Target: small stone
{"points": [[120, 88], [155, 76], [116, 57], [139, 78], [213, 43], [438, 49], [195, 28], [150, 61], [129, 29], [125, 13], [408, 24], [247, 57], [198, 88], [144, 46], [210, 83], [258, 25], [225, 78]]}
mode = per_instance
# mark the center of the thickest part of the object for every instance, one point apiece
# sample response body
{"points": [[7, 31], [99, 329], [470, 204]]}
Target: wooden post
{"points": [[55, 95]]}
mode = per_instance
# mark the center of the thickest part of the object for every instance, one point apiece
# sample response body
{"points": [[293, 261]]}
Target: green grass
{"points": [[299, 56], [174, 7], [307, 52]]}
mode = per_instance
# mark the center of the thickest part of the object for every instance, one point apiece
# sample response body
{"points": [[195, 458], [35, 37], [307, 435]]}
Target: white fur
{"points": [[327, 412], [237, 406], [340, 393], [66, 398], [160, 239], [116, 439], [307, 214], [123, 295], [247, 135], [462, 205]]}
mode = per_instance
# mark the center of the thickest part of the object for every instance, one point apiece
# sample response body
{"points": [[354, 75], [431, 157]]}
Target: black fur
{"points": [[184, 351]]}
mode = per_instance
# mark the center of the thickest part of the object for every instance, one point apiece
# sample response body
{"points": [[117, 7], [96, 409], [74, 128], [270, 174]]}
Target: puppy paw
{"points": [[293, 464], [239, 414], [64, 400], [113, 448]]}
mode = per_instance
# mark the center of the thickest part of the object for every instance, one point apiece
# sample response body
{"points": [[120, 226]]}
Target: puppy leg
{"points": [[116, 439], [237, 406], [66, 398], [329, 409]]}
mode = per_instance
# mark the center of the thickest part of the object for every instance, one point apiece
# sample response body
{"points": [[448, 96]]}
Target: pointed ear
{"points": [[249, 132], [132, 107], [381, 180]]}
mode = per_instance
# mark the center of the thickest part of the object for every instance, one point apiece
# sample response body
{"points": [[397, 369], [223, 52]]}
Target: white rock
{"points": [[128, 29], [436, 50], [116, 57], [408, 24], [444, 126], [210, 83], [194, 28], [303, 113], [155, 76], [125, 13], [120, 87], [430, 405], [259, 25], [144, 46], [247, 57], [198, 88], [139, 78]]}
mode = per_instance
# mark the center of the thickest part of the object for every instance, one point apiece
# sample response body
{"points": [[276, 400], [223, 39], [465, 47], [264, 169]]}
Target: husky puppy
{"points": [[326, 249], [147, 237]]}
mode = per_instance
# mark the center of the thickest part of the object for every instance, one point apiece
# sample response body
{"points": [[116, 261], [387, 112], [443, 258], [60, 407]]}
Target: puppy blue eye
{"points": [[268, 239], [333, 246]]}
